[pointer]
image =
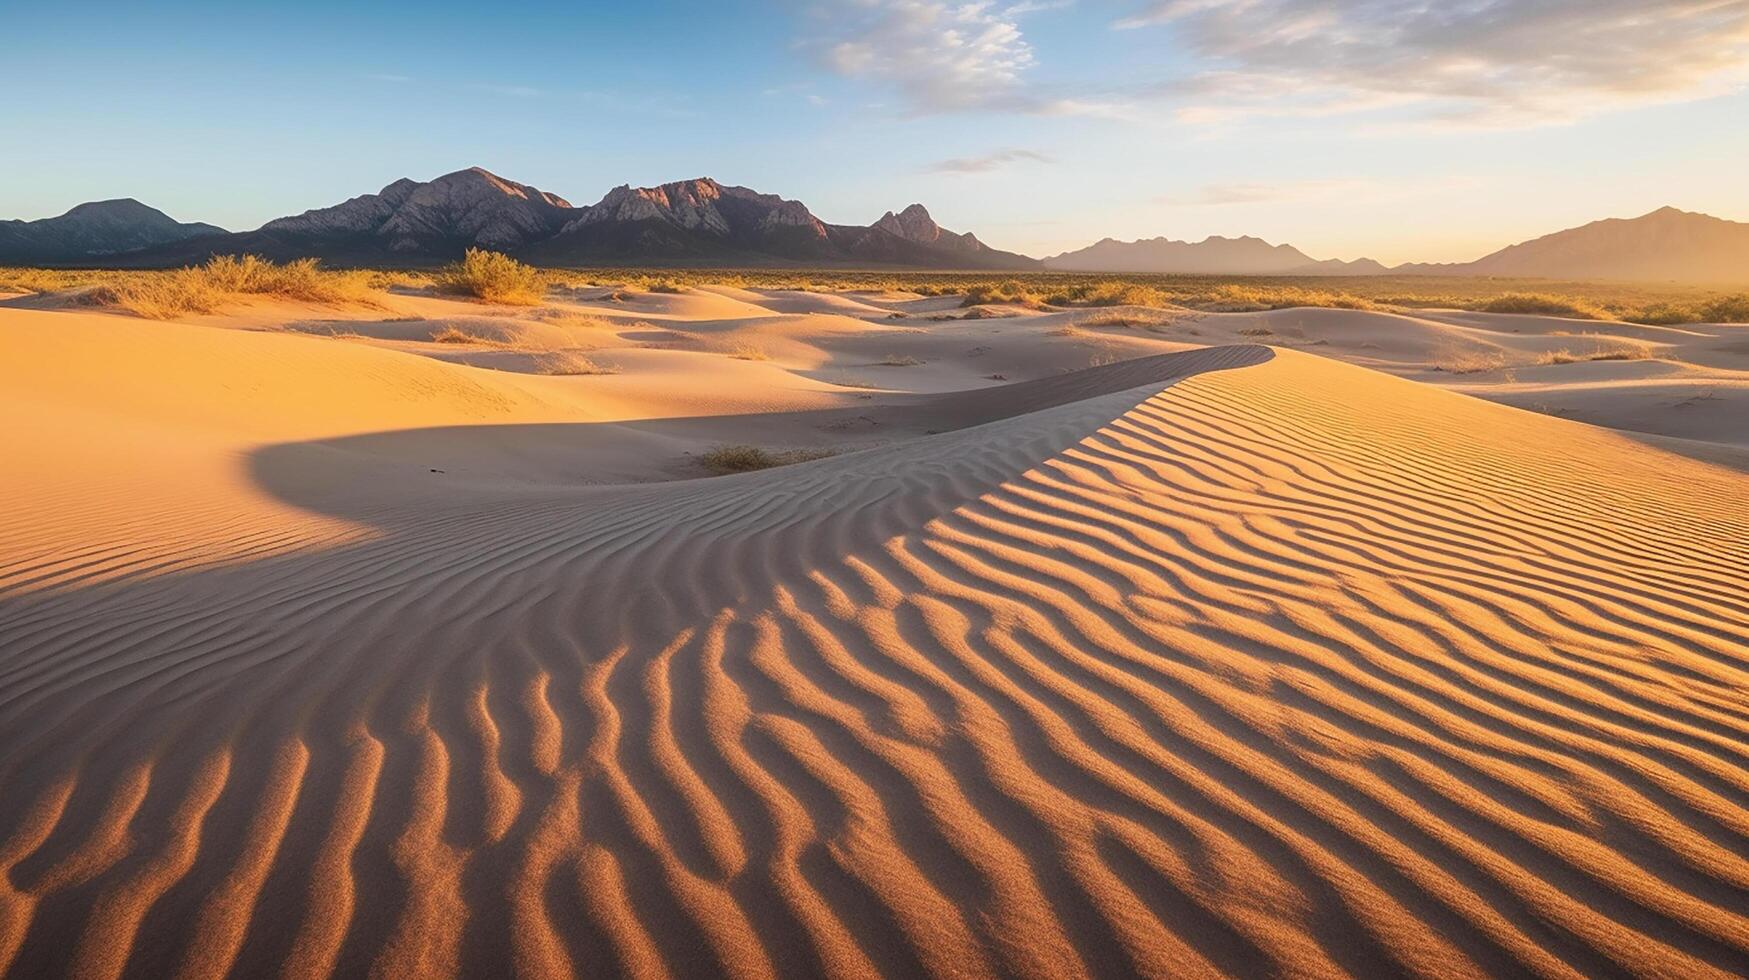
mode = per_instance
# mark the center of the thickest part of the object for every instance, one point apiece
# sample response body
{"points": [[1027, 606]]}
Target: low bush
{"points": [[495, 278]]}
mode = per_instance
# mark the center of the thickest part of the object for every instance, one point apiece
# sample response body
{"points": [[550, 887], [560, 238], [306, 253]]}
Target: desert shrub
{"points": [[494, 277], [745, 459], [1256, 332], [1005, 291], [1546, 304], [748, 352], [1726, 309], [35, 280], [899, 360], [667, 286]]}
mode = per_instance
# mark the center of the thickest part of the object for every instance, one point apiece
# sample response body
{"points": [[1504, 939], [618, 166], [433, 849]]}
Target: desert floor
{"points": [[1309, 642]]}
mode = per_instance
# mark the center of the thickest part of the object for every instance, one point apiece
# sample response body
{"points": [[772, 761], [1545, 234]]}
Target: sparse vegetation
{"points": [[745, 459], [495, 278], [222, 280], [1119, 320], [565, 362], [1256, 332], [1661, 304], [456, 335], [1468, 361], [899, 360], [1544, 304], [1613, 350], [748, 352]]}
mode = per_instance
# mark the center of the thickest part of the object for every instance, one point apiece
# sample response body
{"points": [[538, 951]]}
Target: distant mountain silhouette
{"points": [[1214, 256], [406, 223], [692, 222], [100, 228], [702, 222], [1666, 244]]}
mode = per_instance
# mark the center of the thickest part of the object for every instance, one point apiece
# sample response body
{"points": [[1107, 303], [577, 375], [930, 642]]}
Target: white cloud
{"points": [[1451, 62], [986, 163], [940, 56]]}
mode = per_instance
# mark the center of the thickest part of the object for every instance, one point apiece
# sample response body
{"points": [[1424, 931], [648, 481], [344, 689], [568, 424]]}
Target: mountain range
{"points": [[1212, 256], [704, 223], [92, 231], [691, 222]]}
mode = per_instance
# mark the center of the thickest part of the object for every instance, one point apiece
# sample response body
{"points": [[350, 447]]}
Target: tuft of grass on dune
{"points": [[570, 363], [1610, 350], [221, 280], [746, 459], [495, 278]]}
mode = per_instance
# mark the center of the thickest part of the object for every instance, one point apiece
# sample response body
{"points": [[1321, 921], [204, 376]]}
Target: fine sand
{"points": [[1107, 642]]}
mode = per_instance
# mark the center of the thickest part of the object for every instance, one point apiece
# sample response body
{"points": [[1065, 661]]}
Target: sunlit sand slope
{"points": [[1265, 665]]}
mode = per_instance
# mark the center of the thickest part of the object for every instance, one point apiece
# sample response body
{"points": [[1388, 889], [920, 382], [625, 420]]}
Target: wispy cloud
{"points": [[513, 91], [986, 163], [1490, 63], [1353, 190], [383, 76]]}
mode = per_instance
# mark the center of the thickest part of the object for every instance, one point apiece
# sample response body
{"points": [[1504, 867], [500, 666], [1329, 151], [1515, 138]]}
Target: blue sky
{"points": [[1398, 129]]}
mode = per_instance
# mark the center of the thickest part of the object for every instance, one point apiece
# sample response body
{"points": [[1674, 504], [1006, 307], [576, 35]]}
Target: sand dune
{"points": [[1229, 660]]}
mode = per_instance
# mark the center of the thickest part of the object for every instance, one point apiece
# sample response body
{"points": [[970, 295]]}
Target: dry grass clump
{"points": [[985, 313], [748, 352], [1614, 350], [211, 287], [1256, 332], [567, 363], [456, 335], [1119, 320], [668, 286], [1469, 362], [1068, 330], [495, 278], [899, 360], [745, 459]]}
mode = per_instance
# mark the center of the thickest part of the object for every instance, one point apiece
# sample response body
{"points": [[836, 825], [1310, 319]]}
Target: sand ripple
{"points": [[1258, 668]]}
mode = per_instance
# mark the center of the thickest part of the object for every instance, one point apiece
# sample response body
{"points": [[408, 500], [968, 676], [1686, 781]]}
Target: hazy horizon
{"points": [[1398, 131]]}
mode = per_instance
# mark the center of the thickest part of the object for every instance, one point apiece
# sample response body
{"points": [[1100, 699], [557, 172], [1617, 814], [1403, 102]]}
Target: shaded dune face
{"points": [[1265, 665]]}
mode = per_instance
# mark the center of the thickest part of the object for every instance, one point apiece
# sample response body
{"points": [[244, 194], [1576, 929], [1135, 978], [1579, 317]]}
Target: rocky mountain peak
{"points": [[912, 224], [472, 207], [701, 205]]}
